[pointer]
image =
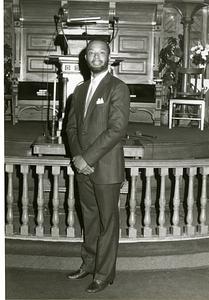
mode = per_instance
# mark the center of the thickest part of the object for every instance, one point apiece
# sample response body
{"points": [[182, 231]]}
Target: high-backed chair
{"points": [[188, 92]]}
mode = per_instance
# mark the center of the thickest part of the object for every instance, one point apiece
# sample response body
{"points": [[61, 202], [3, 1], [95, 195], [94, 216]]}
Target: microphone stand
{"points": [[53, 135]]}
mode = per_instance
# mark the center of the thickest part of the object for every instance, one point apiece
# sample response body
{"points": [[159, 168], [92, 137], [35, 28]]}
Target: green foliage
{"points": [[8, 72], [170, 58]]}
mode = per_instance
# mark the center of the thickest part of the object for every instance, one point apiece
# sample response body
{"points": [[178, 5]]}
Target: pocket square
{"points": [[100, 101]]}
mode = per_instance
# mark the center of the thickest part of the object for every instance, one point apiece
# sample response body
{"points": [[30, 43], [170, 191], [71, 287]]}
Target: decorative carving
{"points": [[16, 12], [159, 14]]}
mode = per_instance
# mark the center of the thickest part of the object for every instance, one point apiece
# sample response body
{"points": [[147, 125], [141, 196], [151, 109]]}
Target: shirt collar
{"points": [[99, 77]]}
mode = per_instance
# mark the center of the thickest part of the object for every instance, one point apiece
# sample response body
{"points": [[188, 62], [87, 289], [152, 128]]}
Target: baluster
{"points": [[40, 202], [147, 202], [203, 228], [120, 230], [162, 201], [176, 230], [24, 227], [71, 204], [190, 229], [123, 190], [132, 233], [55, 203], [10, 198]]}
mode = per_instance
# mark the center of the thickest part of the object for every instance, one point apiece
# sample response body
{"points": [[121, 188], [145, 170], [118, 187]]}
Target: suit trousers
{"points": [[99, 205]]}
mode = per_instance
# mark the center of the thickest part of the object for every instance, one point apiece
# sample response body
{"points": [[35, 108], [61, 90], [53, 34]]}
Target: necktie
{"points": [[88, 99]]}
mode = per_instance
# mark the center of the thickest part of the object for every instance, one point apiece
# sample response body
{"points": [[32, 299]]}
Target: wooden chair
{"points": [[188, 95]]}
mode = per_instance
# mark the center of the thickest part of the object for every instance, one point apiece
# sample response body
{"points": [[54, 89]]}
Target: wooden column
{"points": [[203, 228], [71, 204], [190, 229], [132, 217], [175, 229], [25, 218], [147, 202], [55, 203], [10, 198], [40, 202], [162, 201]]}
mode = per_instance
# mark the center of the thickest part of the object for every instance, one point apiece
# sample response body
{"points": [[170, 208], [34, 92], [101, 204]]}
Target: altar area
{"points": [[156, 142], [164, 196]]}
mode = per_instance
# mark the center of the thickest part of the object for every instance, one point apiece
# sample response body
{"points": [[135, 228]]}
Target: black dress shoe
{"points": [[79, 274], [97, 286]]}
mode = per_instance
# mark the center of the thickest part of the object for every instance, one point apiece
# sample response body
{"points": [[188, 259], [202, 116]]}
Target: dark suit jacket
{"points": [[97, 137]]}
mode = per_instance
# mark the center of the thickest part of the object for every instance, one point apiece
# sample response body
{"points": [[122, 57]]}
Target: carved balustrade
{"points": [[160, 200]]}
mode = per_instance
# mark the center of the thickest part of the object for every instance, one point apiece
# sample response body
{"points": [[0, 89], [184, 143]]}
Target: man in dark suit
{"points": [[97, 122]]}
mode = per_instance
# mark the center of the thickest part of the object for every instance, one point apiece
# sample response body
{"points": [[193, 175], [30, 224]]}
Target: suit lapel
{"points": [[82, 99], [97, 94]]}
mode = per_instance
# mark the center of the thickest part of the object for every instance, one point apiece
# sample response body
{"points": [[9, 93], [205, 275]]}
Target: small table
{"points": [[45, 146], [199, 102]]}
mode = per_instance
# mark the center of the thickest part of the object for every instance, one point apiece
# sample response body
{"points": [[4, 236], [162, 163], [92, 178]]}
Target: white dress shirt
{"points": [[95, 81]]}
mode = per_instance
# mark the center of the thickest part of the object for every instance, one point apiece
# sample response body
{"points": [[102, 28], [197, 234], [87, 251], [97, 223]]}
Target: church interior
{"points": [[160, 49]]}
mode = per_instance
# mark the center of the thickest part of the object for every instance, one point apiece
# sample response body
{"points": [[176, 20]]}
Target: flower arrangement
{"points": [[200, 54]]}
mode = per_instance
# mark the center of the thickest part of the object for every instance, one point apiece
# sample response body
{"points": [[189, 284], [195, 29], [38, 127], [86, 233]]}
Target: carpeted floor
{"points": [[183, 284], [158, 142]]}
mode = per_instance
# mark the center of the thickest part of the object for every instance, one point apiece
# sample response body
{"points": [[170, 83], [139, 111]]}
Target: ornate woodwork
{"points": [[177, 213], [143, 29]]}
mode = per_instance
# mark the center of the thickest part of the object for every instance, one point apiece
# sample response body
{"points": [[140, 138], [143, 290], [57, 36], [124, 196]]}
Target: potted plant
{"points": [[170, 58], [7, 74]]}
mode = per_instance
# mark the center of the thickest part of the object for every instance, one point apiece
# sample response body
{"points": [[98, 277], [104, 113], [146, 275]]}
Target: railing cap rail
{"points": [[41, 160], [129, 163], [184, 163]]}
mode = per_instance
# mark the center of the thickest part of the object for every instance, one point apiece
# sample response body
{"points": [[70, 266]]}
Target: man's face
{"points": [[97, 56]]}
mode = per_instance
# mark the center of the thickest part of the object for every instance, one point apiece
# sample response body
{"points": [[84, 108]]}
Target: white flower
{"points": [[193, 48], [200, 54]]}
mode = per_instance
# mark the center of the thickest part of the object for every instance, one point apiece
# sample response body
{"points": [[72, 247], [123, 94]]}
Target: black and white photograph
{"points": [[105, 153]]}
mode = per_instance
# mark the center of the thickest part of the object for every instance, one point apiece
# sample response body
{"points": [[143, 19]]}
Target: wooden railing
{"points": [[164, 200]]}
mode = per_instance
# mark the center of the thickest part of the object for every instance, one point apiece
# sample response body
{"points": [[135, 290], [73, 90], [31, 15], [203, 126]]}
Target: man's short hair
{"points": [[90, 42]]}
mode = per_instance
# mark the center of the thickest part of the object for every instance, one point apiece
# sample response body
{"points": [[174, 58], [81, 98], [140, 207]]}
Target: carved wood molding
{"points": [[16, 12], [36, 64], [159, 14]]}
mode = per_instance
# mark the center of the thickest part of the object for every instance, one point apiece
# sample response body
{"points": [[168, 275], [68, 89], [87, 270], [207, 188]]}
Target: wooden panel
{"points": [[40, 42], [36, 64], [133, 44], [133, 66], [8, 24], [136, 12], [81, 9], [44, 10]]}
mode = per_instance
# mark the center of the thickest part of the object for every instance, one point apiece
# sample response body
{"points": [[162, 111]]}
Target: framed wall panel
{"points": [[40, 42], [133, 66], [134, 44], [36, 64]]}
